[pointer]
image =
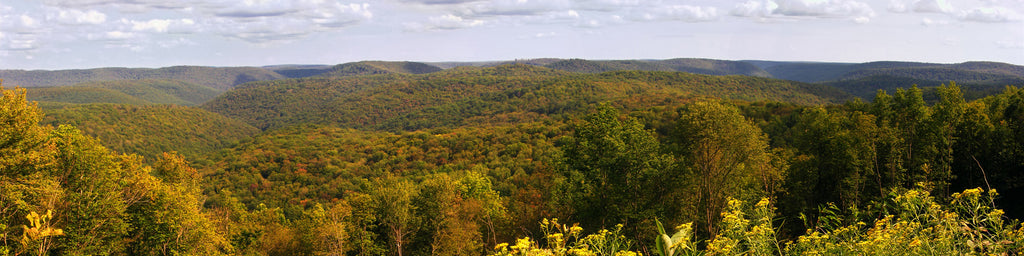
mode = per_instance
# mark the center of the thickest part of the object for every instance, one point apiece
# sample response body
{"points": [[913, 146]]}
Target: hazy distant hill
{"points": [[126, 92], [828, 72], [153, 129], [598, 66], [865, 79], [690, 65], [513, 92], [379, 67], [213, 77], [297, 71]]}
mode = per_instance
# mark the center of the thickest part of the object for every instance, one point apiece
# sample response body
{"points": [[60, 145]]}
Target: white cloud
{"points": [[590, 23], [444, 22], [339, 15], [687, 13], [78, 17], [440, 2], [929, 22], [754, 8], [276, 20], [118, 35], [175, 43], [938, 6], [516, 7], [859, 12], [605, 5], [922, 6], [543, 35], [162, 25], [827, 8], [21, 44], [26, 22], [990, 15]]}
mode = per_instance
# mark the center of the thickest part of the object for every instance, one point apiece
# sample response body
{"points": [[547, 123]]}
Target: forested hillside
{"points": [[514, 160], [858, 79], [297, 71], [151, 130], [213, 77], [696, 66], [379, 67], [126, 92], [864, 79], [450, 98]]}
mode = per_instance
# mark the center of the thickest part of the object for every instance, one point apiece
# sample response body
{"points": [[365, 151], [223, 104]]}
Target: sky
{"points": [[76, 34]]}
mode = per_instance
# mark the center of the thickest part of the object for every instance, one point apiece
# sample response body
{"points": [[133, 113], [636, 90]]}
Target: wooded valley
{"points": [[535, 157]]}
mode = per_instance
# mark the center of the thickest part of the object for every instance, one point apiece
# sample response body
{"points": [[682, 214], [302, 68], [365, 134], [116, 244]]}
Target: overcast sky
{"points": [[62, 34]]}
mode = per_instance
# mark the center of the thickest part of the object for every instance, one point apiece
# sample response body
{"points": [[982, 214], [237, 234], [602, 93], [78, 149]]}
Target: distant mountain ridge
{"points": [[696, 66], [465, 95], [213, 77], [135, 92], [861, 79], [379, 67]]}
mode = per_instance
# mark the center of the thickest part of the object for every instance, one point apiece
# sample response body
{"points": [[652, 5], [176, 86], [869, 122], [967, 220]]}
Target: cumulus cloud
{"points": [[20, 32], [175, 43], [181, 26], [543, 35], [78, 17], [687, 13], [21, 44], [923, 6], [444, 22], [515, 7], [940, 6], [269, 20], [859, 12], [114, 35], [831, 8], [929, 22], [606, 5], [440, 2], [753, 8], [126, 5], [25, 24], [990, 15], [339, 15]]}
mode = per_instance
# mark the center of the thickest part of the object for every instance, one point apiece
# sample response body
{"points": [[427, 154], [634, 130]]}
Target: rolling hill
{"points": [[134, 92], [151, 130], [298, 71], [379, 67], [508, 93], [213, 77], [689, 65], [865, 79]]}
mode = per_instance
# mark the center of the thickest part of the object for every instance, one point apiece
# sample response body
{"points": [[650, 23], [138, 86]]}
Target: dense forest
{"points": [[509, 160]]}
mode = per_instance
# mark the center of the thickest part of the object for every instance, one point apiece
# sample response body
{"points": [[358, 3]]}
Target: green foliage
{"points": [[476, 156], [616, 172], [379, 67], [136, 92], [94, 199], [727, 154], [680, 243], [564, 240], [152, 130], [918, 225], [471, 96], [217, 78], [696, 66]]}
